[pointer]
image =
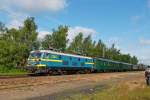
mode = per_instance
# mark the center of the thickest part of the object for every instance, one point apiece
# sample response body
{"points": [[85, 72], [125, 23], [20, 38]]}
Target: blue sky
{"points": [[123, 22]]}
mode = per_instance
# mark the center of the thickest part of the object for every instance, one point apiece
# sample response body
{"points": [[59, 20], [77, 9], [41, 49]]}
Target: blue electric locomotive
{"points": [[46, 61]]}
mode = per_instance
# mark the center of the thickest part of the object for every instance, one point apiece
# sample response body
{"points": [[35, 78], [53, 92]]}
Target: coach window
{"points": [[112, 64], [108, 63], [92, 60], [104, 63]]}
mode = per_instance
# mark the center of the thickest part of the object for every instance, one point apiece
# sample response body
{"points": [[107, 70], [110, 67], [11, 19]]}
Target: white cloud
{"points": [[145, 61], [15, 24], [42, 34], [73, 31], [33, 5], [18, 10], [135, 19], [16, 19], [144, 41], [137, 49], [114, 40]]}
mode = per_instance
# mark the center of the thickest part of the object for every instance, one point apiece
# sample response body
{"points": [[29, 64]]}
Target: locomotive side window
{"points": [[70, 58], [59, 56], [78, 59], [51, 56], [35, 55]]}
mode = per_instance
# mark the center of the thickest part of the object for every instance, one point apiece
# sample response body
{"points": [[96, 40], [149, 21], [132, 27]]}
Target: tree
{"points": [[28, 37], [16, 44], [8, 50], [100, 49], [47, 42], [58, 40], [76, 44], [87, 46], [134, 60], [29, 33], [3, 29]]}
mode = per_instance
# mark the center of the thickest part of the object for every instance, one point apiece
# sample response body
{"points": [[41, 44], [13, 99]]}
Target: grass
{"points": [[12, 71], [117, 92]]}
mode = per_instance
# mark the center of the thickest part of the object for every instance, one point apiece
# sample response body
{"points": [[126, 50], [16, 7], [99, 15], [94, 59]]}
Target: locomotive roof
{"points": [[59, 53]]}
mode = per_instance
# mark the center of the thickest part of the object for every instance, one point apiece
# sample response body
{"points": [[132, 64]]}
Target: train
{"points": [[48, 61]]}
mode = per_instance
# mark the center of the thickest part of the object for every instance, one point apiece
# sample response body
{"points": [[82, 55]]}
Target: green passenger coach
{"points": [[110, 65]]}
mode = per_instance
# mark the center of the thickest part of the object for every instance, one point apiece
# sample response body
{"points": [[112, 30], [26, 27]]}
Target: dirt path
{"points": [[50, 87]]}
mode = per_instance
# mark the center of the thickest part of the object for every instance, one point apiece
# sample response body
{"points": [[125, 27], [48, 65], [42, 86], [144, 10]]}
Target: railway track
{"points": [[38, 75], [16, 76]]}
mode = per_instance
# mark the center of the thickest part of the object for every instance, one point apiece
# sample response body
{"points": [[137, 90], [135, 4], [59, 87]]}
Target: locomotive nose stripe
{"points": [[89, 63], [51, 60]]}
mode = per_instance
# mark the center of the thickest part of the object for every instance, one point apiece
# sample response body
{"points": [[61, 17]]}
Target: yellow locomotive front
{"points": [[34, 61]]}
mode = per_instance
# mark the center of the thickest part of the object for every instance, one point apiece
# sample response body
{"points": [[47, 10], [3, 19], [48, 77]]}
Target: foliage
{"points": [[12, 71], [15, 44], [59, 37], [100, 49], [47, 42], [76, 45], [57, 40], [87, 46]]}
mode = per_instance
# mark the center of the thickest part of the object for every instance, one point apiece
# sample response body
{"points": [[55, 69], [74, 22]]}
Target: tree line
{"points": [[16, 44]]}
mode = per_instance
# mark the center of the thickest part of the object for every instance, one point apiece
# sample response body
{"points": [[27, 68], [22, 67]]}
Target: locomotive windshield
{"points": [[35, 55]]}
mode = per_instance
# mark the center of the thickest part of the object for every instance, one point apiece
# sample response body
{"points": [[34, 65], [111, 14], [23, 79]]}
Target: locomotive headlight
{"points": [[40, 66], [39, 59]]}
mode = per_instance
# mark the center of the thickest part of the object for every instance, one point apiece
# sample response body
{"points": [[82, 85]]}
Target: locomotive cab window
{"points": [[35, 55], [46, 55]]}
